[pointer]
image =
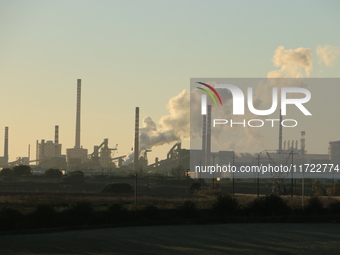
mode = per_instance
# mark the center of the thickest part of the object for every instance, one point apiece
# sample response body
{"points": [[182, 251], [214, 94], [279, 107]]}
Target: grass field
{"points": [[190, 239]]}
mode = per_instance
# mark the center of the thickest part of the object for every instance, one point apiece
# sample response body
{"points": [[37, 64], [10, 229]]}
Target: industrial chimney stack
{"points": [[77, 144], [302, 142], [208, 152], [280, 135], [56, 134], [6, 146], [136, 149], [204, 139]]}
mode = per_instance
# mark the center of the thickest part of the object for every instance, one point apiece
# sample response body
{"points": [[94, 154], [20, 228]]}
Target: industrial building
{"points": [[4, 159], [48, 154], [77, 155]]}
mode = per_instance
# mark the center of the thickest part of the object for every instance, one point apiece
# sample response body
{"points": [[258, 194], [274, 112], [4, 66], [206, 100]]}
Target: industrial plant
{"points": [[49, 153]]}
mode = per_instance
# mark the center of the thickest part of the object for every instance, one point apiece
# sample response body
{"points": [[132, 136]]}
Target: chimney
{"points": [[6, 146], [136, 149], [56, 134], [204, 139], [77, 144], [280, 134], [42, 152], [302, 142], [208, 135]]}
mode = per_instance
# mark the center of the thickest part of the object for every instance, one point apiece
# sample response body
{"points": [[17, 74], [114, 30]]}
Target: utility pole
{"points": [[213, 179], [136, 193], [233, 174], [291, 183], [258, 175]]}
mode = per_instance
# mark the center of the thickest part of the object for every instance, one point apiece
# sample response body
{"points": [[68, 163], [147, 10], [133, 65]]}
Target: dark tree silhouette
{"points": [[6, 172], [22, 170], [53, 173]]}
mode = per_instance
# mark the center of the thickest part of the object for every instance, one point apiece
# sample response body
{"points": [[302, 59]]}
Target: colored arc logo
{"points": [[209, 93]]}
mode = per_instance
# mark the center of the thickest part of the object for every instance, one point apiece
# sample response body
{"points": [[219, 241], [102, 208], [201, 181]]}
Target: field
{"points": [[189, 239]]}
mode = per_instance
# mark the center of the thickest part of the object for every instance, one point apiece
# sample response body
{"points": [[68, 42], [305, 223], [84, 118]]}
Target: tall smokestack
{"points": [[77, 144], [204, 139], [302, 142], [56, 134], [280, 134], [136, 149], [208, 135], [6, 146]]}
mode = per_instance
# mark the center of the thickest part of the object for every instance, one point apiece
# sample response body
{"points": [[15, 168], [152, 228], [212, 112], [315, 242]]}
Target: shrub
{"points": [[44, 215], [10, 219], [187, 209], [117, 212], [78, 212], [151, 212], [53, 173], [196, 186], [6, 172], [117, 188], [22, 170], [318, 189], [334, 207], [335, 190], [225, 205], [314, 206], [271, 205], [74, 177]]}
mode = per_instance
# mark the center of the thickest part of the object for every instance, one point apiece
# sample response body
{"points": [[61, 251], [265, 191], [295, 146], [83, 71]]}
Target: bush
{"points": [[6, 172], [196, 186], [53, 173], [335, 190], [187, 209], [117, 188], [151, 212], [334, 207], [271, 205], [44, 215], [78, 213], [318, 189], [81, 208], [225, 205], [314, 206], [10, 219], [117, 212], [22, 170], [74, 177]]}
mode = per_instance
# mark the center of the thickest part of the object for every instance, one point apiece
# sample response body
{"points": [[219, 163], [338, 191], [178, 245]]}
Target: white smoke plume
{"points": [[327, 54], [293, 63], [172, 127]]}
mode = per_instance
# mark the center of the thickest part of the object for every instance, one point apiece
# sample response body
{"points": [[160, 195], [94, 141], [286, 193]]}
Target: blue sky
{"points": [[137, 53]]}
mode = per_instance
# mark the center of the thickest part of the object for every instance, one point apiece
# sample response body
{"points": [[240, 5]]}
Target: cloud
{"points": [[293, 63], [327, 54]]}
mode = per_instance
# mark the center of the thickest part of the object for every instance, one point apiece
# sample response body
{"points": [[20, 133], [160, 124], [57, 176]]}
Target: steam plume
{"points": [[327, 54]]}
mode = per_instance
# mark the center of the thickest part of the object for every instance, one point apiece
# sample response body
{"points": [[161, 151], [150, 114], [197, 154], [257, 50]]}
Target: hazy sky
{"points": [[137, 53]]}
